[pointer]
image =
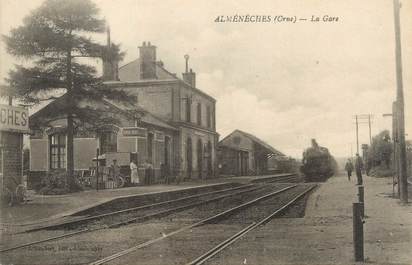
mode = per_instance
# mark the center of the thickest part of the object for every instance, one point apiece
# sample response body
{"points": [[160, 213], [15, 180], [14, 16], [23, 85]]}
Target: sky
{"points": [[284, 82]]}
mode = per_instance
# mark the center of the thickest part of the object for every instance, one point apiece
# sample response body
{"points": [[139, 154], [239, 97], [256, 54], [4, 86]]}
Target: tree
{"points": [[54, 37], [381, 149]]}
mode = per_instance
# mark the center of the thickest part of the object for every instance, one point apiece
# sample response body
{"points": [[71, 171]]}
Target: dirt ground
{"points": [[324, 235], [44, 208], [85, 248]]}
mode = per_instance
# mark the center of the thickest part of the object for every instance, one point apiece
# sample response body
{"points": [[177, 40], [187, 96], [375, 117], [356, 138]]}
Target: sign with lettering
{"points": [[135, 131], [14, 119], [160, 137]]}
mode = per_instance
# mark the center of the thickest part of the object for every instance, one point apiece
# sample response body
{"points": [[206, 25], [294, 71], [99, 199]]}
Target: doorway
{"points": [[167, 154], [189, 157], [200, 157]]}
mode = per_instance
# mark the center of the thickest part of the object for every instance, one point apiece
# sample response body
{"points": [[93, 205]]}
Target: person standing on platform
{"points": [[134, 176], [349, 168], [148, 172], [179, 173], [115, 169], [358, 168], [163, 173]]}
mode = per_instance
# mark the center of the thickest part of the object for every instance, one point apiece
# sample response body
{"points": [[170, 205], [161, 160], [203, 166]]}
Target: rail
{"points": [[128, 221], [220, 247], [143, 207], [202, 222]]}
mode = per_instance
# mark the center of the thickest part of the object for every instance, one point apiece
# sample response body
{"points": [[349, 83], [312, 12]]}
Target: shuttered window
{"points": [[57, 151]]}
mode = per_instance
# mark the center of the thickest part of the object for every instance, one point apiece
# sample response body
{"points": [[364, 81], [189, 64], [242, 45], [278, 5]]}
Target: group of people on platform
{"points": [[149, 176], [349, 167]]}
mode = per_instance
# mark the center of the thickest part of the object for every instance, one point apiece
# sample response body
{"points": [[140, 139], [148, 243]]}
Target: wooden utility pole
{"points": [[360, 119], [357, 135], [395, 146], [358, 231], [395, 135], [403, 182], [370, 131], [351, 152]]}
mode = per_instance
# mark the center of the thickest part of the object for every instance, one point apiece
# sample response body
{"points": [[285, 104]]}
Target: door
{"points": [[189, 157], [200, 157]]}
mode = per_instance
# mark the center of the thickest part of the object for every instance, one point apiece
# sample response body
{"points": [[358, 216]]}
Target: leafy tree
{"points": [[381, 149], [54, 38]]}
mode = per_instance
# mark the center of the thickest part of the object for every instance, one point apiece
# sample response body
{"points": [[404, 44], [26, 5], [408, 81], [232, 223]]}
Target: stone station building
{"points": [[174, 125], [242, 154]]}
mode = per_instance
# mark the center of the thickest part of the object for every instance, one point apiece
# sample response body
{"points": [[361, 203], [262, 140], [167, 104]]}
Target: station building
{"points": [[174, 123], [138, 133], [241, 154]]}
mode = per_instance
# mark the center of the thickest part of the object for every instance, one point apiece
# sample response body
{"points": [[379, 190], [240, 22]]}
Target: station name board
{"points": [[14, 119], [160, 137], [134, 131]]}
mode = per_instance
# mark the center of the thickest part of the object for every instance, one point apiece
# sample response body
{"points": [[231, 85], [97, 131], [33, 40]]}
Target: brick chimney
{"points": [[110, 66], [189, 76], [147, 54]]}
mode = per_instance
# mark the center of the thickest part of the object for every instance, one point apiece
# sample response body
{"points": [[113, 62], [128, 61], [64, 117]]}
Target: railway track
{"points": [[208, 255], [176, 223], [71, 224], [291, 179], [204, 199], [126, 256]]}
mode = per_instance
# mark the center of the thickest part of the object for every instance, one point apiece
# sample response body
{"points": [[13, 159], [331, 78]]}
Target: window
{"points": [[199, 114], [188, 109], [57, 151], [108, 142], [189, 157], [208, 117], [134, 98], [150, 138]]}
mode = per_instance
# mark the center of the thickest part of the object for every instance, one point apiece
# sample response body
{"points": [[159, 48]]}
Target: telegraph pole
{"points": [[370, 130], [403, 182], [357, 135], [361, 119], [395, 179], [351, 152], [395, 135]]}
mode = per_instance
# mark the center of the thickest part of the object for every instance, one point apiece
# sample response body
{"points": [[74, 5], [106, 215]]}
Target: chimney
{"points": [[110, 66], [147, 61], [189, 77]]}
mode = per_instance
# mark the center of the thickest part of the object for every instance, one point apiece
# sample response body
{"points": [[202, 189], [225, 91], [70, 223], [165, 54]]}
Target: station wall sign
{"points": [[135, 131], [14, 119], [160, 136]]}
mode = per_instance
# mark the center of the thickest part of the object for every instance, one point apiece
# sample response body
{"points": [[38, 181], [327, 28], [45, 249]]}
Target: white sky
{"points": [[285, 83]]}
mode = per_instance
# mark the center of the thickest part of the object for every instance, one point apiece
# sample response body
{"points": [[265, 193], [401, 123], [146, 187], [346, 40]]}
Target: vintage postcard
{"points": [[205, 132]]}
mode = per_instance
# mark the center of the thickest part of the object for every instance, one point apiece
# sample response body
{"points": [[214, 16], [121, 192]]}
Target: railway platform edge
{"points": [[44, 209]]}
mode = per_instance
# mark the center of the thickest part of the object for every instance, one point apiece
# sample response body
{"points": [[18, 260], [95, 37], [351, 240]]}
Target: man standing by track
{"points": [[358, 168], [349, 168]]}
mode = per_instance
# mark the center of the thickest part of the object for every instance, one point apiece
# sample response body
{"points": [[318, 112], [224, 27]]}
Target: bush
{"points": [[37, 187], [381, 171], [55, 183], [52, 191]]}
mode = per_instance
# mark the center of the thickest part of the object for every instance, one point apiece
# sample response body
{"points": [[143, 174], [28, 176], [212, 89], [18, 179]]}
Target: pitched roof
{"points": [[52, 110], [256, 140], [146, 117], [55, 108], [130, 72]]}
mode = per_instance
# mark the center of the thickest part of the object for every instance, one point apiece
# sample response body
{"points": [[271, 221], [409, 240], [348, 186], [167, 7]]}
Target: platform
{"points": [[324, 235], [44, 208]]}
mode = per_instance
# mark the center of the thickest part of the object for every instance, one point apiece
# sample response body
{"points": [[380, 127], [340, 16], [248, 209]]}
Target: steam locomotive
{"points": [[317, 164]]}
